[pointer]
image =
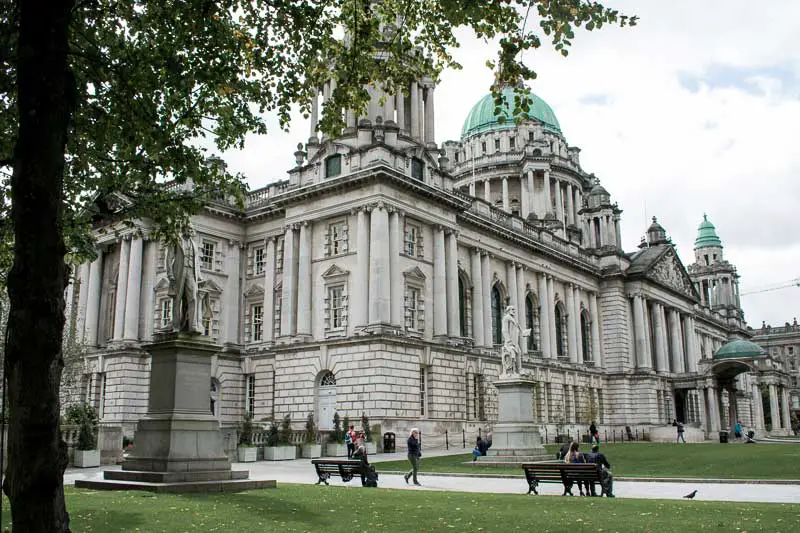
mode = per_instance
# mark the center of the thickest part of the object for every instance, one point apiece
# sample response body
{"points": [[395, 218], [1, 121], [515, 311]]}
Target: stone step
{"points": [[175, 477], [236, 485]]}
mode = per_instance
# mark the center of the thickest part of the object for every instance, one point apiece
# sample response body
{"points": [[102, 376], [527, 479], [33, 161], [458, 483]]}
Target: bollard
{"points": [[545, 434], [464, 437], [446, 441], [605, 435], [636, 435]]}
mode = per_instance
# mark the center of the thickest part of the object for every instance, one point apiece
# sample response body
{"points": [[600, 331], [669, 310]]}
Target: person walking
{"points": [[414, 453], [594, 436], [350, 440], [679, 427]]}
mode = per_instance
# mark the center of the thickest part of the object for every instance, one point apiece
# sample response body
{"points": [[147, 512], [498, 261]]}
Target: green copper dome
{"points": [[706, 235], [482, 118], [739, 348]]}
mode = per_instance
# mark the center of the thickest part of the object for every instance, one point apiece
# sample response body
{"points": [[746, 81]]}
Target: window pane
{"points": [[333, 166]]}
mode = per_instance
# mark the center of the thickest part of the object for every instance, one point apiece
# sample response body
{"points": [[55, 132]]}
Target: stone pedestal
{"points": [[515, 437], [178, 445]]}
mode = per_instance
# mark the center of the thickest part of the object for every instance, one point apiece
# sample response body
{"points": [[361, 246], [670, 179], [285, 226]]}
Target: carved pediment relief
{"points": [[208, 285], [254, 290], [414, 274], [335, 271], [162, 285], [669, 272]]}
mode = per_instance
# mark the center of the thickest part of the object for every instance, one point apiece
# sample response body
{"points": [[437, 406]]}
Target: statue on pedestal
{"points": [[183, 271], [510, 352]]}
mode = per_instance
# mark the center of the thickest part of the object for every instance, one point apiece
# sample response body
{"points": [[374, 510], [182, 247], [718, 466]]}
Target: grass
{"points": [[723, 461], [296, 508]]}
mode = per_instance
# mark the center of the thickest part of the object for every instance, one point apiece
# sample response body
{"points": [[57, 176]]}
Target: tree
{"points": [[100, 96]]}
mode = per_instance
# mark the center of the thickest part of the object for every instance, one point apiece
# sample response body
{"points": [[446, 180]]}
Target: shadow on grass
{"points": [[267, 504]]}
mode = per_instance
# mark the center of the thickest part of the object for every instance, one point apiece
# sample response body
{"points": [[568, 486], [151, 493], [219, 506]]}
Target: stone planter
{"points": [[247, 454], [280, 453], [86, 458], [335, 449], [311, 451]]}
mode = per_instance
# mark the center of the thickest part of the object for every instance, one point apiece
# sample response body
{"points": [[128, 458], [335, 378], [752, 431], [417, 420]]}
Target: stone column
{"points": [[289, 291], [395, 243], [379, 270], [548, 202], [421, 111], [758, 407], [401, 109], [687, 342], [570, 206], [233, 292], [578, 202], [639, 332], [597, 355], [486, 282], [430, 123], [785, 417], [122, 288], [544, 317], [774, 410], [603, 231], [93, 300], [531, 194], [83, 292], [415, 111], [571, 319], [506, 204], [487, 191], [304, 280], [522, 316], [701, 407], [658, 337], [133, 296], [439, 283], [524, 202], [713, 406], [559, 201], [314, 114], [551, 298], [676, 348], [477, 298], [576, 295], [511, 285], [617, 233], [360, 307], [269, 291], [453, 311]]}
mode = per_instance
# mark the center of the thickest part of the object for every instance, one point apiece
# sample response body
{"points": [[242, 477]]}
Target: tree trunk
{"points": [[45, 89]]}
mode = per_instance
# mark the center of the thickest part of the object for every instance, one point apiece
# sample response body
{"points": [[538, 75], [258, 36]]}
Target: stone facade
{"points": [[783, 343], [373, 280]]}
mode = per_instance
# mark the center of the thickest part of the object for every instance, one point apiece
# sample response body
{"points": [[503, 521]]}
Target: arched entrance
{"points": [[326, 400]]}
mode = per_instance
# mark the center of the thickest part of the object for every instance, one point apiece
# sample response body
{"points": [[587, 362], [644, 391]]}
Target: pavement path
{"points": [[301, 471]]}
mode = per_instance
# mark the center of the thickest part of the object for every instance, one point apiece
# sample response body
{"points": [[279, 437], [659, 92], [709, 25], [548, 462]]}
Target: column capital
{"points": [[477, 251]]}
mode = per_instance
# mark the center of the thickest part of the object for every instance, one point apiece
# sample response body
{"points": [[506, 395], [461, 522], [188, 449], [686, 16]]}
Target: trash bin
{"points": [[388, 442], [723, 437]]}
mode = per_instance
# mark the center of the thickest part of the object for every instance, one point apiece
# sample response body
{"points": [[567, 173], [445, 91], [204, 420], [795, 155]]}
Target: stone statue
{"points": [[510, 352], [183, 270]]}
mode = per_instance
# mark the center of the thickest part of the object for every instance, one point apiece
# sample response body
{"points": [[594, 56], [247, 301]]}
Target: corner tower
{"points": [[716, 280]]}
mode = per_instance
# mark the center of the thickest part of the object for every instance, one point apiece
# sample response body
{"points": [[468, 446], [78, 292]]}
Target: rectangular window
{"points": [[111, 310], [416, 169], [257, 317], [413, 309], [497, 144], [337, 307], [412, 241], [279, 254], [166, 312], [476, 396], [259, 258], [530, 136], [337, 238], [423, 394], [276, 331], [250, 395], [512, 143], [333, 166], [483, 146], [207, 255]]}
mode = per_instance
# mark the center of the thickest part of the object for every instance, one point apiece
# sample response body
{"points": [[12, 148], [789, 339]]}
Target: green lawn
{"points": [[347, 509], [724, 461]]}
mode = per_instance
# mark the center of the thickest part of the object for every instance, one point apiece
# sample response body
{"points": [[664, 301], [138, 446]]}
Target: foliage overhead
{"points": [[152, 78]]}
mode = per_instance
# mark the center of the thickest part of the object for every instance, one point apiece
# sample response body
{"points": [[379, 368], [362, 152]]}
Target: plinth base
{"points": [[231, 485], [515, 437]]}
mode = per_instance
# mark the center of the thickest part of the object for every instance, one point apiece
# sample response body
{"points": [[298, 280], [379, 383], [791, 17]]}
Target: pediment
{"points": [[162, 285], [415, 274], [335, 271], [670, 272], [254, 290], [209, 286]]}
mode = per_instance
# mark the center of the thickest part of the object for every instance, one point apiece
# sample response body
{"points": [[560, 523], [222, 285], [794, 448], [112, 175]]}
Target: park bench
{"points": [[344, 468], [565, 473]]}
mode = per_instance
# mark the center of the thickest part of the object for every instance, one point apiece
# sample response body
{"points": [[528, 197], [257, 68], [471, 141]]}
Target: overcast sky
{"points": [[696, 110]]}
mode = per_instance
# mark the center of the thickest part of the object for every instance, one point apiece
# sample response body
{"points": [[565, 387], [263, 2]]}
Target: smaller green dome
{"points": [[706, 235], [739, 348], [482, 119]]}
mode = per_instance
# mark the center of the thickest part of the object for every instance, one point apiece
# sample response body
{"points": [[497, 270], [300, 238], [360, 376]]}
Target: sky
{"points": [[695, 110]]}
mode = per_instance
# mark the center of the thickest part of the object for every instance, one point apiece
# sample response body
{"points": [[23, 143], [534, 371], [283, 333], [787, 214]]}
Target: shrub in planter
{"points": [[278, 446], [335, 446], [85, 453], [246, 451], [310, 448]]}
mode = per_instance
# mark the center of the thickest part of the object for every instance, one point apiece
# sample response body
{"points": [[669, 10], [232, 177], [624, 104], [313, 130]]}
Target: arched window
{"points": [[530, 323], [560, 331], [586, 351], [497, 316], [462, 307]]}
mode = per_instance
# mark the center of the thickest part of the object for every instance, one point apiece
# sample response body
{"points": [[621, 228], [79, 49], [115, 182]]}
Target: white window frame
{"points": [[257, 322], [412, 240], [250, 394], [338, 307], [207, 260], [336, 238], [165, 320], [414, 301], [259, 260], [336, 313]]}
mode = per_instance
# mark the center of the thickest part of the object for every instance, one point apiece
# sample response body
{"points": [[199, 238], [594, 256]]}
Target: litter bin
{"points": [[723, 437], [388, 442]]}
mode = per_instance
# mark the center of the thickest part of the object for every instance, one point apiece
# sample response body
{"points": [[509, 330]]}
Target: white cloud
{"points": [[724, 144]]}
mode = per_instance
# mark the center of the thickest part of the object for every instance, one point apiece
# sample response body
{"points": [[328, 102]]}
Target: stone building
{"points": [[373, 280], [783, 343]]}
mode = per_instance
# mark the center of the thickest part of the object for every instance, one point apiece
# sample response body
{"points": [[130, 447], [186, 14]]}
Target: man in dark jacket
{"points": [[604, 468], [414, 453]]}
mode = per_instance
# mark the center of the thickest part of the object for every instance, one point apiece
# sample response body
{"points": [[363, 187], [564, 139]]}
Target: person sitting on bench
{"points": [[604, 468]]}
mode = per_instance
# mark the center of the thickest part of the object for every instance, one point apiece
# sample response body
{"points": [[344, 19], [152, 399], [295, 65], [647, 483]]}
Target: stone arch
{"points": [[465, 288], [497, 298], [560, 314], [532, 321], [586, 337]]}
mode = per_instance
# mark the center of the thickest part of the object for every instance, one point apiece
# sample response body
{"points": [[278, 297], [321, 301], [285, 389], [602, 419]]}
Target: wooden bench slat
{"points": [[565, 473]]}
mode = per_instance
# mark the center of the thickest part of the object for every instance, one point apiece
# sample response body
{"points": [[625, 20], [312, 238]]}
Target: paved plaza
{"points": [[301, 471]]}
